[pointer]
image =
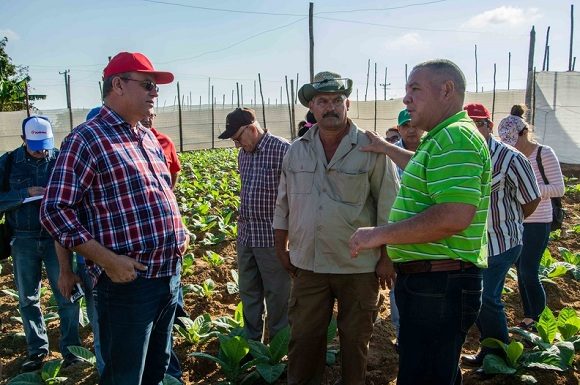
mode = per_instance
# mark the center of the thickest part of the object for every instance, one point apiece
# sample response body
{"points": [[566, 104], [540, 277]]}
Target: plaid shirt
{"points": [[260, 174], [110, 183]]}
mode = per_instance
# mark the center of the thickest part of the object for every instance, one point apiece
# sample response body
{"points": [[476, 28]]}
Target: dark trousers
{"points": [[436, 311], [536, 236], [135, 322]]}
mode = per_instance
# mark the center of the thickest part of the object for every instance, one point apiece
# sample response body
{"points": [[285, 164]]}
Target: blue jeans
{"points": [[437, 310], [492, 321], [174, 368], [91, 302], [29, 253], [536, 236], [135, 322]]}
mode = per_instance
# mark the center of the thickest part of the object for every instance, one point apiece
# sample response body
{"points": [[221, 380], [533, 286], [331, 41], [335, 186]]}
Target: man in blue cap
{"points": [[26, 171]]}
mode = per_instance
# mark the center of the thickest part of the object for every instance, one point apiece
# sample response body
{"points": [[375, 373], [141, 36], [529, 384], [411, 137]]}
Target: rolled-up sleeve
{"points": [[73, 174]]}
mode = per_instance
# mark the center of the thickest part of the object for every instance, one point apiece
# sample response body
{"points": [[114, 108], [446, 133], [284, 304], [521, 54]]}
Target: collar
{"points": [[263, 142], [20, 155], [461, 115]]}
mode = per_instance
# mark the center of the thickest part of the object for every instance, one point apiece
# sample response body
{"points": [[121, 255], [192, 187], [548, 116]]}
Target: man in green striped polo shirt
{"points": [[436, 234]]}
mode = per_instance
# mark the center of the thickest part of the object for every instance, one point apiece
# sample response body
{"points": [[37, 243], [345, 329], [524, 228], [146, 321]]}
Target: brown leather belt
{"points": [[416, 267]]}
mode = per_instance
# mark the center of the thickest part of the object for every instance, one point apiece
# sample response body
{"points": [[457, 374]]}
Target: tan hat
{"points": [[325, 82]]}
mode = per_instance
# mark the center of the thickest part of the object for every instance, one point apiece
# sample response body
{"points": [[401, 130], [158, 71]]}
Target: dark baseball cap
{"points": [[237, 118]]}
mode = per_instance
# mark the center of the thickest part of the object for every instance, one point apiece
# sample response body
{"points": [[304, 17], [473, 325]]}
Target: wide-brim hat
{"points": [[324, 83], [135, 62]]}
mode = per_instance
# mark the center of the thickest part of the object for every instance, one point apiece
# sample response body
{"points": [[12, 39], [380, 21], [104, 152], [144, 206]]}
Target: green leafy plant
{"points": [[206, 289], [83, 354], [196, 331], [551, 268], [169, 380], [188, 265], [229, 359], [268, 358], [556, 341], [233, 286], [48, 375], [231, 325], [331, 350], [494, 364], [213, 258]]}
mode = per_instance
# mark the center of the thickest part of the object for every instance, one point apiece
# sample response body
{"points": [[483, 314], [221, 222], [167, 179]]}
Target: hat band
{"points": [[330, 84]]}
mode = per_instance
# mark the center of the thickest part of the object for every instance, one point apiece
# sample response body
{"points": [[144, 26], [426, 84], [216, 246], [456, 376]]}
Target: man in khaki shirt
{"points": [[328, 188]]}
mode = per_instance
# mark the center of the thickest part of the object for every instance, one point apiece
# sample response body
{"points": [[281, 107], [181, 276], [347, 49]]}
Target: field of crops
{"points": [[208, 196]]}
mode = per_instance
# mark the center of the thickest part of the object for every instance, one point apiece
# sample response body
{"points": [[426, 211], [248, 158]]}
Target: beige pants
{"points": [[309, 313]]}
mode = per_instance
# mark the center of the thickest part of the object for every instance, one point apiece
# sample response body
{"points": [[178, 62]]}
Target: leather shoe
{"points": [[33, 362], [473, 359]]}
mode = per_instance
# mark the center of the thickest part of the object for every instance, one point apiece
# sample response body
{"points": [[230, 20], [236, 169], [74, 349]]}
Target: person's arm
{"points": [[385, 270], [174, 177], [379, 145], [12, 199], [435, 223], [66, 277], [556, 187], [530, 207], [281, 247], [119, 268]]}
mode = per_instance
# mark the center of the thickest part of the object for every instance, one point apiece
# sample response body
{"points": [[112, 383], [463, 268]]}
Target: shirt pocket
{"points": [[268, 179], [300, 178], [348, 186], [18, 183]]}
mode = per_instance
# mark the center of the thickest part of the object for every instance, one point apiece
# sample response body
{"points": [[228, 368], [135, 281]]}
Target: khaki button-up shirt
{"points": [[322, 203]]}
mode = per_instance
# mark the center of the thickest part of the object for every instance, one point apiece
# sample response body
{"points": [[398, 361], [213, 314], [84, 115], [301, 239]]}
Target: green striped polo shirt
{"points": [[451, 165]]}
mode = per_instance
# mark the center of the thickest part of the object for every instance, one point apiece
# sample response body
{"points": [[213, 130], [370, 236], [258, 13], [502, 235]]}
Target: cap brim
{"points": [[39, 145], [160, 77], [227, 134]]}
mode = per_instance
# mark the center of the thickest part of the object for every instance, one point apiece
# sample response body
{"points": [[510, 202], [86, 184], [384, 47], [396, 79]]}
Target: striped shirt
{"points": [[543, 213], [513, 184], [260, 175], [110, 183], [451, 165]]}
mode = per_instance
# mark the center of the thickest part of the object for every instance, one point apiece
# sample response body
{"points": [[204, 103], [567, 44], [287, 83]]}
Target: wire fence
{"points": [[556, 112]]}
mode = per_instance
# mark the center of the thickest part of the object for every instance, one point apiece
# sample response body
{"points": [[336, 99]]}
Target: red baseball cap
{"points": [[135, 62], [477, 111]]}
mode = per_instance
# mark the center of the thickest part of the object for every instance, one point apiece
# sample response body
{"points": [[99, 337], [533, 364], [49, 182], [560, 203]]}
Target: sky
{"points": [[223, 42]]}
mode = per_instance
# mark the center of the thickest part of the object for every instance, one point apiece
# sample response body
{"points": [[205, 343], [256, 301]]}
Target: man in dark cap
{"points": [[327, 189], [110, 199], [261, 276]]}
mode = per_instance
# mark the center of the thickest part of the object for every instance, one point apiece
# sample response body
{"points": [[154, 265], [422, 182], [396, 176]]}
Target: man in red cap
{"points": [[110, 199], [514, 195]]}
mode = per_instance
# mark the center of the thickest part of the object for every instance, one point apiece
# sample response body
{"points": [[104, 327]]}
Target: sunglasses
{"points": [[480, 123], [340, 84], [147, 84]]}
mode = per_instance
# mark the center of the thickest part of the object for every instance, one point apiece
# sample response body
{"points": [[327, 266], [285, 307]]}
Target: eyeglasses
{"points": [[147, 84], [237, 140], [480, 123], [336, 84]]}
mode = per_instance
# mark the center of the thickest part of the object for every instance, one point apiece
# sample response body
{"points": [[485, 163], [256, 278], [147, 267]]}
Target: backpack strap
{"points": [[540, 165]]}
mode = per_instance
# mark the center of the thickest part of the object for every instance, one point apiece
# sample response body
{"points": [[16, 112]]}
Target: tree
{"points": [[13, 82]]}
